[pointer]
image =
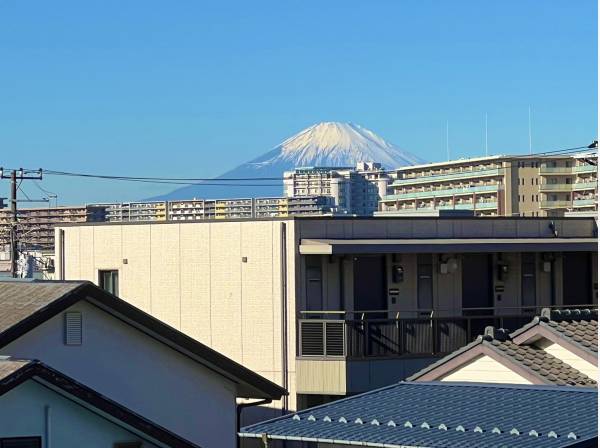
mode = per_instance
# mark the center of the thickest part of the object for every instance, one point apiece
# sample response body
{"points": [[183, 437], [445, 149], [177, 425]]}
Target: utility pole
{"points": [[14, 238]]}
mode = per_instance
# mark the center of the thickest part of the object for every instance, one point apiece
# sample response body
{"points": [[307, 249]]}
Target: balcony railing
{"points": [[365, 338], [437, 193]]}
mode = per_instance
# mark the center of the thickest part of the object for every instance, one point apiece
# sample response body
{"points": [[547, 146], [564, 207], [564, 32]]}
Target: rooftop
{"points": [[518, 352], [446, 414], [26, 304]]}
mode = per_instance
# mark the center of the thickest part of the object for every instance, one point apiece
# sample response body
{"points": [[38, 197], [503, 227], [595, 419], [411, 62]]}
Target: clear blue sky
{"points": [[192, 88]]}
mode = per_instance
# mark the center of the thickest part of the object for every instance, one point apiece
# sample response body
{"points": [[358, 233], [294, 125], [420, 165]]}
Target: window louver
{"points": [[73, 328]]}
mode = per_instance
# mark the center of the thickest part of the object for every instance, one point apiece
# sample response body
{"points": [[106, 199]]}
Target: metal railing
{"points": [[371, 334]]}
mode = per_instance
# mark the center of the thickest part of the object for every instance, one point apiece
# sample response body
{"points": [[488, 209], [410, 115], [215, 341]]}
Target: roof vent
{"points": [[391, 423], [553, 435], [425, 425], [515, 432], [311, 418], [358, 421], [571, 435], [296, 417], [375, 422], [496, 430], [533, 433], [327, 419], [342, 420], [408, 425], [460, 428], [443, 427], [478, 429], [73, 328]]}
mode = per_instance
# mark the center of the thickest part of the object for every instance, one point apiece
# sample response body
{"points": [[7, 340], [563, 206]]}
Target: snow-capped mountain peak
{"points": [[331, 144], [336, 144]]}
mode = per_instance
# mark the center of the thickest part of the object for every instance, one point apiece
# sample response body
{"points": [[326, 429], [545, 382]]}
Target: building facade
{"points": [[498, 186], [355, 191], [335, 306]]}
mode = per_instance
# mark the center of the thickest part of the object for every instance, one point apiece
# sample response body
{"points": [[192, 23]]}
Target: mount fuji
{"points": [[330, 144]]}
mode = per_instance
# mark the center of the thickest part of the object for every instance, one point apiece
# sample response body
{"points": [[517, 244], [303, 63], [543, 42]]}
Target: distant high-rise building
{"points": [[355, 191], [497, 186]]}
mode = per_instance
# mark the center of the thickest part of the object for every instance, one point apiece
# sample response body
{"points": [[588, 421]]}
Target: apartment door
{"points": [[528, 281], [577, 278], [477, 283], [369, 283], [314, 283]]}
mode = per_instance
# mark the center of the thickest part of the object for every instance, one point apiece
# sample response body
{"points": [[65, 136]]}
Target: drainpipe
{"points": [[47, 432], [284, 320], [240, 407]]}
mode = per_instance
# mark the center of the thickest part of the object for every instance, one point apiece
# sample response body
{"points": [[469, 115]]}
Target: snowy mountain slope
{"points": [[323, 144]]}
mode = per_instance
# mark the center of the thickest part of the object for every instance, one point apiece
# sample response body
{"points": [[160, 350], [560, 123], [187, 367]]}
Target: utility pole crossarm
{"points": [[15, 175]]}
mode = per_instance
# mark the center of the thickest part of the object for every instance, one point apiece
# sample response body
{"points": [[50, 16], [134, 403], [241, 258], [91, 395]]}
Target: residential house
{"points": [[557, 347], [125, 355], [41, 407], [444, 415]]}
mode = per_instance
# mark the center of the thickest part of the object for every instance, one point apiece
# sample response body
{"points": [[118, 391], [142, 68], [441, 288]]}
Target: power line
{"points": [[224, 181]]}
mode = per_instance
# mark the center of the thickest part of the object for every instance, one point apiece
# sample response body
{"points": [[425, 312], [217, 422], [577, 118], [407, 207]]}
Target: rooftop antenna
{"points": [[447, 142], [530, 151], [486, 136]]}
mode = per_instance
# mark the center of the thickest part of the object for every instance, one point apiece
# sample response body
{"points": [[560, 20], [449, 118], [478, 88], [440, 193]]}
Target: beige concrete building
{"points": [[498, 186], [333, 306], [355, 191]]}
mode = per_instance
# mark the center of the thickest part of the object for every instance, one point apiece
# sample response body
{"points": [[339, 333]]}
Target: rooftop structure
{"points": [[445, 414], [498, 186]]}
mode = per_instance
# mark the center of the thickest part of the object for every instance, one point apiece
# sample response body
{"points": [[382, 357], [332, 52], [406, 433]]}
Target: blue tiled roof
{"points": [[447, 415]]}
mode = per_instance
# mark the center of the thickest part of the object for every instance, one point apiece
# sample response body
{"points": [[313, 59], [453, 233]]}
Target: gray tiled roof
{"points": [[447, 415], [580, 327], [19, 300], [549, 368]]}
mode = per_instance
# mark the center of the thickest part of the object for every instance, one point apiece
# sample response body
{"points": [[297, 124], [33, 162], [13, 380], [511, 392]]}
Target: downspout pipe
{"points": [[240, 407]]}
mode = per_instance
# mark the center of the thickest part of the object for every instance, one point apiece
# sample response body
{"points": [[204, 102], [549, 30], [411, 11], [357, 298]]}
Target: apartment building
{"points": [[35, 226], [262, 207], [498, 186], [355, 191], [328, 307]]}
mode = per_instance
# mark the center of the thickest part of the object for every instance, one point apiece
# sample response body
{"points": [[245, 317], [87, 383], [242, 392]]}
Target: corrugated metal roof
{"points": [[444, 415]]}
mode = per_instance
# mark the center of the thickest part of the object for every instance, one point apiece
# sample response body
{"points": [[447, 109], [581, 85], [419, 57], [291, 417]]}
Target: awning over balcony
{"points": [[384, 246]]}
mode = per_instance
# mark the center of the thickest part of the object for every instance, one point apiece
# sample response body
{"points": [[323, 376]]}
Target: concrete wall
{"points": [[193, 277], [138, 372], [23, 413]]}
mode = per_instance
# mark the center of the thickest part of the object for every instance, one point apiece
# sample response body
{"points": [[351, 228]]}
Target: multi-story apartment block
{"points": [[328, 307], [35, 226], [135, 211], [497, 186], [267, 207], [355, 191]]}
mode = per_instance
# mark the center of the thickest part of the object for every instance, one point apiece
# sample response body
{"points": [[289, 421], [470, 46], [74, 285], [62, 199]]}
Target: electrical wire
{"points": [[229, 182]]}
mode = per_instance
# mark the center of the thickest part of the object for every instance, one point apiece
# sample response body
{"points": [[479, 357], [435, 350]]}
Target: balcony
{"points": [[569, 187], [352, 335], [477, 173], [585, 169], [555, 204], [556, 170], [443, 192], [584, 202]]}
